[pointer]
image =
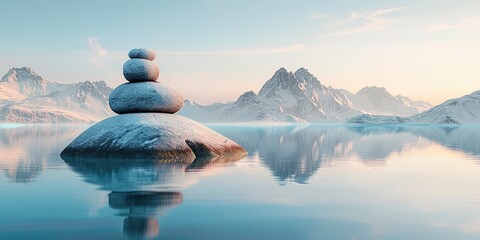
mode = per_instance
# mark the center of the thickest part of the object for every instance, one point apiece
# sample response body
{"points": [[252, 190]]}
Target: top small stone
{"points": [[142, 53]]}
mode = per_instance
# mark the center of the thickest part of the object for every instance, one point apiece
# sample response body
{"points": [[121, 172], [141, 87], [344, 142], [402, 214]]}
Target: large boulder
{"points": [[156, 136]]}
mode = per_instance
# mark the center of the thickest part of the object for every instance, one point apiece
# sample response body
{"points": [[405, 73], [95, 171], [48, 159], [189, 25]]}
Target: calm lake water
{"points": [[297, 182]]}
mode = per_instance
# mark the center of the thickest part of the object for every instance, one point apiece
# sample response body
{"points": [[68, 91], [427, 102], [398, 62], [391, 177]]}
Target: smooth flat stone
{"points": [[145, 97], [143, 53], [140, 70], [154, 136]]}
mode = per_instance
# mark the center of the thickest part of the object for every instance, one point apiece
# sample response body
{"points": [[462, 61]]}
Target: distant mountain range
{"points": [[26, 97], [300, 97], [464, 110]]}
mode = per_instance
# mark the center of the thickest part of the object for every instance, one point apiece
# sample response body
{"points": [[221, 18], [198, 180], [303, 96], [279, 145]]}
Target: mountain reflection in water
{"points": [[27, 150], [296, 152], [145, 199], [291, 152]]}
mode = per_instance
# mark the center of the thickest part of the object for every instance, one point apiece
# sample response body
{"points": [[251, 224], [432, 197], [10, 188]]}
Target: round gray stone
{"points": [[145, 97], [140, 70], [143, 53]]}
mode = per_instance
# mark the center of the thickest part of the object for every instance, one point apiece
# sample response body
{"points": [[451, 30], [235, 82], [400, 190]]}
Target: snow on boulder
{"points": [[160, 136]]}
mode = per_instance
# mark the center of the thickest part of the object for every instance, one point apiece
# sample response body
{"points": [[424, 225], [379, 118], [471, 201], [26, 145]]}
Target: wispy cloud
{"points": [[372, 21], [467, 23], [100, 57], [252, 51], [96, 48]]}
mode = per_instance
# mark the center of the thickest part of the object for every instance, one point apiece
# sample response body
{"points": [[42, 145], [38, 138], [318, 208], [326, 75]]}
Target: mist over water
{"points": [[297, 182]]}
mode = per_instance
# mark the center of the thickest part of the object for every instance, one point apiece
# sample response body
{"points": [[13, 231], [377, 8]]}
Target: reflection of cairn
{"points": [[142, 209], [143, 93]]}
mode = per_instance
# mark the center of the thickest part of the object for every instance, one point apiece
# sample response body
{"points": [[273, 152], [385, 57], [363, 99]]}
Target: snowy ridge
{"points": [[26, 97], [464, 110], [377, 101], [300, 97]]}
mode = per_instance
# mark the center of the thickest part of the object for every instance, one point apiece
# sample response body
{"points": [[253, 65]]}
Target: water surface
{"points": [[297, 182]]}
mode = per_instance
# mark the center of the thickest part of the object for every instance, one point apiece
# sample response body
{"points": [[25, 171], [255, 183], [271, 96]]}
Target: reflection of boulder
{"points": [[126, 175], [138, 187], [130, 175], [141, 209], [204, 163], [27, 150]]}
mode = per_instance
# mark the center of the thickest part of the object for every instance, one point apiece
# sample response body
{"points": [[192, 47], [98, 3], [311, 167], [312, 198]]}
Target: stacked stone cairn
{"points": [[143, 93], [146, 127]]}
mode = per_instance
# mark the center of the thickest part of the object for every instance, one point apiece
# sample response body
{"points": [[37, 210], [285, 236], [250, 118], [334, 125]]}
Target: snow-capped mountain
{"points": [[300, 94], [286, 97], [464, 110], [26, 97], [300, 97], [377, 101]]}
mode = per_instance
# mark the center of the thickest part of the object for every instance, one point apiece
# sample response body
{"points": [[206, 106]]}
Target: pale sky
{"points": [[215, 50]]}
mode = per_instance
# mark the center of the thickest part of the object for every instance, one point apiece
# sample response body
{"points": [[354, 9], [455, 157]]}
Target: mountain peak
{"points": [[374, 90], [301, 84], [21, 74], [302, 71], [300, 96], [15, 70], [246, 98], [281, 79], [377, 100], [31, 98], [281, 73], [303, 75], [99, 90]]}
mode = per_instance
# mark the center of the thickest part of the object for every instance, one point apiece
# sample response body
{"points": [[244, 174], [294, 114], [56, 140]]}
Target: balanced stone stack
{"points": [[147, 127], [143, 93]]}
